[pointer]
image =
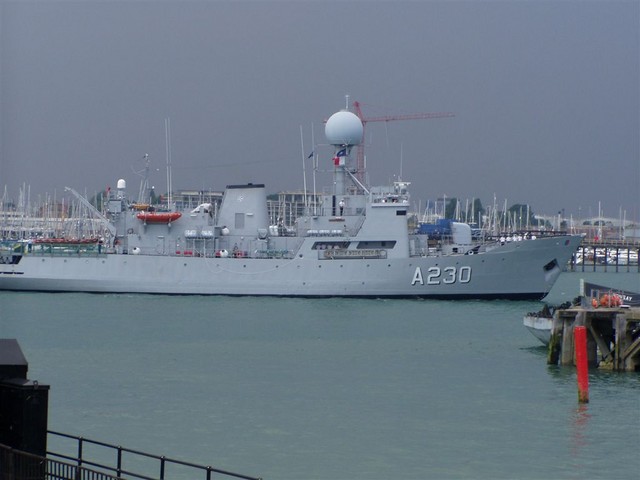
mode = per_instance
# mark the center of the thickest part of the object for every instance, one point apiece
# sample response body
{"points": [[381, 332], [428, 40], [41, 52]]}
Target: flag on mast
{"points": [[339, 157]]}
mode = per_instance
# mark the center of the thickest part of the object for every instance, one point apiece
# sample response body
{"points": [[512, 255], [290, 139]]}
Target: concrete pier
{"points": [[613, 337]]}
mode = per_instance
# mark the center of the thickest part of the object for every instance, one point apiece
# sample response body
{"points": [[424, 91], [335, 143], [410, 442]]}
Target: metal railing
{"points": [[605, 258], [117, 467], [20, 465]]}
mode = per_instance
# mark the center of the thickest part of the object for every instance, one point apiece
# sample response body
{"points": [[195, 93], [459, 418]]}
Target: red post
{"points": [[582, 367]]}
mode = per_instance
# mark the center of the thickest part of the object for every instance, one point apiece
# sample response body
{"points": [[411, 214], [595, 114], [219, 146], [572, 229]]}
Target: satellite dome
{"points": [[122, 184], [343, 128]]}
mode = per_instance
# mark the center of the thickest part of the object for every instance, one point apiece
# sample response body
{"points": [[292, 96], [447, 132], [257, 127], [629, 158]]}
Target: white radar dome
{"points": [[343, 128], [122, 184]]}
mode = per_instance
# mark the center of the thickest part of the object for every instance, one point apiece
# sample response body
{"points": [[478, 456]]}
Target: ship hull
{"points": [[520, 270]]}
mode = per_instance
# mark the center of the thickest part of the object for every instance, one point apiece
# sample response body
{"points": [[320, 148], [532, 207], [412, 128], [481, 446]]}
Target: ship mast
{"points": [[343, 130]]}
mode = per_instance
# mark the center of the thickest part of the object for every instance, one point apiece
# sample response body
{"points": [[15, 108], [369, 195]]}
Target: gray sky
{"points": [[545, 93]]}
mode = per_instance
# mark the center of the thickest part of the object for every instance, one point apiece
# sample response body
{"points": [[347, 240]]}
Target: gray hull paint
{"points": [[514, 270]]}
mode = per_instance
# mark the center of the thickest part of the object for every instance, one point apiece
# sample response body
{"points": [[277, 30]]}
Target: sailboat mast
{"points": [[167, 132]]}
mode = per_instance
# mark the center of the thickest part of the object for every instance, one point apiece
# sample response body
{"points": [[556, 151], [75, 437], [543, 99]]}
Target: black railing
{"points": [[116, 467], [19, 465], [605, 257]]}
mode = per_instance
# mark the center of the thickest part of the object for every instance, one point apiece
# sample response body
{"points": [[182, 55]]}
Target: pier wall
{"points": [[613, 337]]}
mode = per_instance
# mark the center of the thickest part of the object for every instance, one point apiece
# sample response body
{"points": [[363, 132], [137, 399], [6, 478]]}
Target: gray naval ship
{"points": [[353, 241]]}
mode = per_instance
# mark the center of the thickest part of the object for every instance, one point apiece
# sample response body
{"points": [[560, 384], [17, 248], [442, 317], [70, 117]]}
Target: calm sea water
{"points": [[327, 389]]}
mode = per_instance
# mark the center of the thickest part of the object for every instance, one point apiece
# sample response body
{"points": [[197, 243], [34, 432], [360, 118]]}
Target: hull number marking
{"points": [[446, 275]]}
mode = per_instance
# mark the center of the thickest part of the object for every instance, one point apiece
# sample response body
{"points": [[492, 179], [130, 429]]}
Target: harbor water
{"points": [[286, 388]]}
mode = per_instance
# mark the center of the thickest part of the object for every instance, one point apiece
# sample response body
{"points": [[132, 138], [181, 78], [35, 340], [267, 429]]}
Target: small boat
{"points": [[604, 296], [540, 323], [158, 217]]}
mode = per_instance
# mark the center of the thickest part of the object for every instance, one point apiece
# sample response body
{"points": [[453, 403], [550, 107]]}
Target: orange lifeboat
{"points": [[158, 217]]}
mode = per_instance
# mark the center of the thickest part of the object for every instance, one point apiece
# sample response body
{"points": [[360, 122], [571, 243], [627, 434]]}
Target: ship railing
{"points": [[162, 467], [51, 250], [525, 234], [349, 231]]}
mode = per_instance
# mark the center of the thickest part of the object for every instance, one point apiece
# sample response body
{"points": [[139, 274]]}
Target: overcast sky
{"points": [[546, 95]]}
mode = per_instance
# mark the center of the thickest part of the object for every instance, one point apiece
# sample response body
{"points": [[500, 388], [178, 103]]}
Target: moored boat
{"points": [[608, 297], [354, 240], [540, 324]]}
